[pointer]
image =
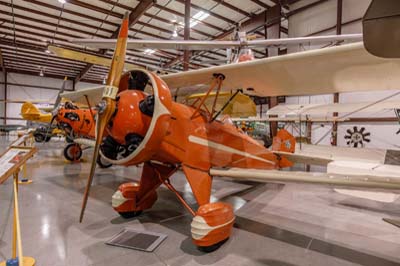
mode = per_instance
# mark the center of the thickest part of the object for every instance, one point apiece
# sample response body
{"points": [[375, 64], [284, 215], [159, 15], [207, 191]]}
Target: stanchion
{"points": [[17, 241]]}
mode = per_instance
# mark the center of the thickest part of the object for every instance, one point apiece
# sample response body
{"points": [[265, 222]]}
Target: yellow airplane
{"points": [[32, 113]]}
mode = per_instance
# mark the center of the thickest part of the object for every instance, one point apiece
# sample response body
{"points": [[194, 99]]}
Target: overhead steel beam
{"points": [[339, 13], [5, 96], [273, 16], [33, 73], [2, 61], [135, 15], [249, 25], [301, 9], [260, 3], [209, 12], [234, 8]]}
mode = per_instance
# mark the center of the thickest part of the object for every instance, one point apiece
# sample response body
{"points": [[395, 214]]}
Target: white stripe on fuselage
{"points": [[219, 146]]}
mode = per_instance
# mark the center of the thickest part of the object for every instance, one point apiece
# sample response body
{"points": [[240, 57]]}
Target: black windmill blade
{"points": [[356, 137]]}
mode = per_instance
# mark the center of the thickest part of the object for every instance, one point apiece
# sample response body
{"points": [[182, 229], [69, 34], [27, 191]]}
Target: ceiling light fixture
{"points": [[200, 16], [41, 73], [48, 51], [175, 33], [104, 81], [62, 1], [149, 51]]}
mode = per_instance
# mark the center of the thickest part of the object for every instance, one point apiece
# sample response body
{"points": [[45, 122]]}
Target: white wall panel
{"points": [[354, 9], [38, 92], [312, 20]]}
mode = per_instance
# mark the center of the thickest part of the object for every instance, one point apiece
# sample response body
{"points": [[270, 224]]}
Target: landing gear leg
{"points": [[212, 223], [132, 198]]}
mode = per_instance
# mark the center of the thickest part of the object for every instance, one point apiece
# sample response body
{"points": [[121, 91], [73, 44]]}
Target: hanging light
{"points": [[175, 33], [62, 1], [104, 81], [200, 16], [149, 51], [41, 73]]}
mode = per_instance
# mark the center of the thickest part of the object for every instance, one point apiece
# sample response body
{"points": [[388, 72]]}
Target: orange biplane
{"points": [[165, 136]]}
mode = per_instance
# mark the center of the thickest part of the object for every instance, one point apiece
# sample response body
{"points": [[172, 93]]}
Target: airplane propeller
{"points": [[106, 107]]}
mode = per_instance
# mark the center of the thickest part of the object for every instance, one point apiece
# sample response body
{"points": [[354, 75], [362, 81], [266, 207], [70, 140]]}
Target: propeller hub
{"points": [[101, 106]]}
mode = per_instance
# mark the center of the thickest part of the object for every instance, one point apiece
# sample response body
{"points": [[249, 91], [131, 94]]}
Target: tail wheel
{"points": [[128, 215], [103, 163], [73, 152]]}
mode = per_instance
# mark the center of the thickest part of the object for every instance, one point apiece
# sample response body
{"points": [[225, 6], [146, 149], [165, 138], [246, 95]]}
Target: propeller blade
{"points": [[58, 99], [347, 137], [362, 130], [356, 145], [366, 134], [349, 131], [108, 103], [102, 122], [355, 129]]}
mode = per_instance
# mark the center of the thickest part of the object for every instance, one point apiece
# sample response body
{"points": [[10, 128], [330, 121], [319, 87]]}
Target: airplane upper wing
{"points": [[329, 108], [93, 95], [211, 45], [329, 70]]}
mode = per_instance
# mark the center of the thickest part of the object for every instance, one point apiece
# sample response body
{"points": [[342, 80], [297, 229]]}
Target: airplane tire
{"points": [[39, 138], [73, 152], [128, 215], [103, 163], [212, 248]]}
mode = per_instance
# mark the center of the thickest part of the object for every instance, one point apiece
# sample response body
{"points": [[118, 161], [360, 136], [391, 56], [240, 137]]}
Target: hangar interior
{"points": [[277, 223]]}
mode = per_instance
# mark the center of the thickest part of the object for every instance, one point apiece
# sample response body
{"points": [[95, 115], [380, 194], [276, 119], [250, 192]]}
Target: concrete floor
{"points": [[276, 224]]}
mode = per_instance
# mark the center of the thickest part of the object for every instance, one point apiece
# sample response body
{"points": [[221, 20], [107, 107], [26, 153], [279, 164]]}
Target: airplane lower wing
{"points": [[347, 180], [329, 70], [345, 167], [327, 154]]}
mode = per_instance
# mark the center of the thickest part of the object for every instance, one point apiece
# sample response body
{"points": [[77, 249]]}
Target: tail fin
{"points": [[284, 141], [30, 112]]}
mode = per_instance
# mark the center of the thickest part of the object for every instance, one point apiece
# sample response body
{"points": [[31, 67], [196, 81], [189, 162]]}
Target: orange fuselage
{"points": [[81, 121], [184, 136]]}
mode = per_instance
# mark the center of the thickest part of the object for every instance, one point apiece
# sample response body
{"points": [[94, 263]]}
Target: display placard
{"points": [[12, 159]]}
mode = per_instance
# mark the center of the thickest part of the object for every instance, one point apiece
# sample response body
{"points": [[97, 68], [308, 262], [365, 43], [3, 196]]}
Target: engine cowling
{"points": [[139, 124]]}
